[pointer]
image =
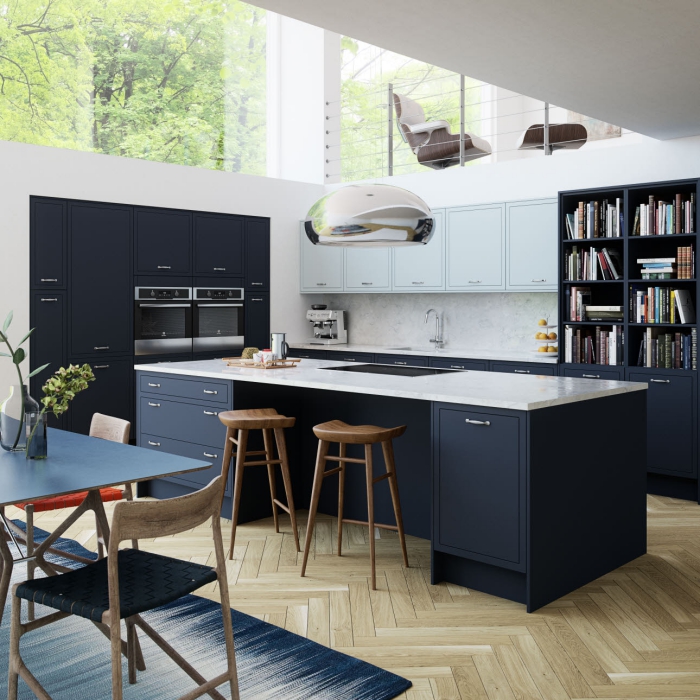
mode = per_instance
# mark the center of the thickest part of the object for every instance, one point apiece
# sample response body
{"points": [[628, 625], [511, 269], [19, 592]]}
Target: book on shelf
{"points": [[684, 302], [661, 218], [668, 350], [601, 345], [596, 219], [577, 299], [661, 305]]}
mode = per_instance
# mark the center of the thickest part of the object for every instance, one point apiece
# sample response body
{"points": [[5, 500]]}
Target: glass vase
{"points": [[35, 422], [13, 432]]}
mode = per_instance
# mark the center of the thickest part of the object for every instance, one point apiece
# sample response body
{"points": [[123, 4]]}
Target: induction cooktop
{"points": [[389, 369]]}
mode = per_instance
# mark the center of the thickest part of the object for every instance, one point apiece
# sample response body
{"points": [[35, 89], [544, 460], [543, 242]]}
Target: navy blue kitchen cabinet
{"points": [[340, 355], [401, 360], [257, 320], [257, 254], [163, 242], [218, 245], [111, 393], [459, 363], [524, 368], [594, 372], [309, 354], [101, 285], [49, 243]]}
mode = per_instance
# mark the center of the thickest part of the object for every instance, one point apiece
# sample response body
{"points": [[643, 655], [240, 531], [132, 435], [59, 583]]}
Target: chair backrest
{"points": [[409, 112], [110, 428], [134, 520]]}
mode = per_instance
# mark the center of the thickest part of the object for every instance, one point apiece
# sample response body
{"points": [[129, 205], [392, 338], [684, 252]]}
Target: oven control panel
{"points": [[218, 294], [164, 293]]}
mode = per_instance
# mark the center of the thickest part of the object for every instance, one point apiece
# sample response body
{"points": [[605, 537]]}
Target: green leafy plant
{"points": [[18, 355]]}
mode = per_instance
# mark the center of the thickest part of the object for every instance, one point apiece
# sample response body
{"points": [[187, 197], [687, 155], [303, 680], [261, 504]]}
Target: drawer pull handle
{"points": [[101, 367], [157, 386], [456, 366], [155, 405], [164, 267], [398, 362], [417, 282], [101, 347], [474, 281], [320, 284], [367, 284], [210, 455], [257, 299], [50, 299], [660, 381], [538, 280], [155, 444], [210, 413], [219, 269], [48, 279], [349, 359], [591, 376], [208, 391], [521, 371], [485, 423], [256, 284]]}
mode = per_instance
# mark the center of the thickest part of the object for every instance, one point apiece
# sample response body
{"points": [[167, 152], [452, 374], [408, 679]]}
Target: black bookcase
{"points": [[672, 398]]}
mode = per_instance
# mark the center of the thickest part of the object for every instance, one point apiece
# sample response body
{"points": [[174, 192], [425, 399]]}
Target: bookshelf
{"points": [[672, 399]]}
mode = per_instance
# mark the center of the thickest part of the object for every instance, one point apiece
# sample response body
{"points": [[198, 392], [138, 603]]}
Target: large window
{"points": [[176, 81]]}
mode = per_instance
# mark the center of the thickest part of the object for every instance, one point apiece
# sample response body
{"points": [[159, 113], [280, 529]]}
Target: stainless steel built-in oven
{"points": [[162, 320], [218, 320]]}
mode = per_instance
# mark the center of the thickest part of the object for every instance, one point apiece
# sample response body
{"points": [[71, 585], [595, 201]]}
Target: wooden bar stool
{"points": [[367, 435], [268, 421]]}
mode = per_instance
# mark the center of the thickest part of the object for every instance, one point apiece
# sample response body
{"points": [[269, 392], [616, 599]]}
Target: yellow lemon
{"points": [[542, 322], [542, 349], [551, 348], [552, 336]]}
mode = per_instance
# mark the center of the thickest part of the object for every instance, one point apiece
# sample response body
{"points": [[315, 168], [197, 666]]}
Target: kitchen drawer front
{"points": [[181, 421], [308, 354], [407, 360], [594, 373], [456, 363], [522, 368], [350, 356], [193, 451], [162, 384]]}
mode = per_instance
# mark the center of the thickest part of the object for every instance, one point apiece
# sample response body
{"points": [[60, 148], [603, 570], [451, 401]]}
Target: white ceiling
{"points": [[633, 63]]}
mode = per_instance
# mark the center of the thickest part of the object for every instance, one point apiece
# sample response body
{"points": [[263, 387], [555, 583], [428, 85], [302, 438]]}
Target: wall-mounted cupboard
{"points": [[506, 246]]}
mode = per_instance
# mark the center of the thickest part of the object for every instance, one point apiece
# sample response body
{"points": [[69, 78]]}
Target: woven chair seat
{"points": [[71, 500], [146, 581]]}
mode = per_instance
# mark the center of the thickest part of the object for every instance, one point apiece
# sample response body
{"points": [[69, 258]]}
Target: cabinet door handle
{"points": [[591, 376], [485, 423], [456, 366], [474, 281], [521, 371], [417, 282], [210, 455], [219, 269], [155, 405], [398, 362], [100, 366], [50, 299], [349, 359], [101, 347], [155, 444], [538, 280], [367, 284], [164, 267], [257, 299], [256, 284], [211, 413], [660, 381], [48, 279], [157, 386], [320, 284], [208, 391]]}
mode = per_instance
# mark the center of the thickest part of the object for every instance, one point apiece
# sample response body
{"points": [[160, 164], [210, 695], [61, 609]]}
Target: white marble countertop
{"points": [[489, 389], [430, 351]]}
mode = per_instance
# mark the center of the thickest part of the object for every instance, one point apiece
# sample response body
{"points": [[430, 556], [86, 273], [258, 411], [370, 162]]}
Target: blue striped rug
{"points": [[71, 658]]}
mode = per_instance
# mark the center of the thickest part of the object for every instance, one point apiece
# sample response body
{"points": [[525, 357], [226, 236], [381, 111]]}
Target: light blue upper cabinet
{"points": [[531, 245], [367, 269], [475, 248], [421, 268], [321, 266]]}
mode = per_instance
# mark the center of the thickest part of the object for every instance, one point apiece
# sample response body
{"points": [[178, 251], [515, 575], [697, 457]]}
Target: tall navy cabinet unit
{"points": [[86, 259]]}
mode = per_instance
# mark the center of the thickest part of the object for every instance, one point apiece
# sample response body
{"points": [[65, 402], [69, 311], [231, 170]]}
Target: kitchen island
{"points": [[528, 486]]}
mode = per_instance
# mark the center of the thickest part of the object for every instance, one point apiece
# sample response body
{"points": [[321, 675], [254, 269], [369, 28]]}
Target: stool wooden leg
{"points": [[388, 451], [226, 462], [238, 485], [341, 498], [315, 495], [370, 511], [286, 477], [270, 455]]}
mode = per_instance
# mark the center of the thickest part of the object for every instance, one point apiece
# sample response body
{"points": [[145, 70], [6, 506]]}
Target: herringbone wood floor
{"points": [[634, 633]]}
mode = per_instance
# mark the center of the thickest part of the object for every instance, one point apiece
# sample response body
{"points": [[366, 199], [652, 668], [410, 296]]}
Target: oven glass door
{"points": [[162, 328], [218, 327]]}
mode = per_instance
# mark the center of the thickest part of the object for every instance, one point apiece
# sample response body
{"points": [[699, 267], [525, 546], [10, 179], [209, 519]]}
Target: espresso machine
{"points": [[329, 326]]}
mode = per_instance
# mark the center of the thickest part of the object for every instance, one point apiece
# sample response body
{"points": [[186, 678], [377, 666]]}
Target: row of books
{"points": [[595, 220], [593, 264], [668, 350], [599, 346], [661, 305], [665, 218]]}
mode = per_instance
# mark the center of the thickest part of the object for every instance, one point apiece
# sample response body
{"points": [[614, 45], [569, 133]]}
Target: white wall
{"points": [[52, 172]]}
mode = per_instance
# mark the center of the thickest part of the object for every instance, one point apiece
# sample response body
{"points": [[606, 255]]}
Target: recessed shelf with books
{"points": [[627, 300]]}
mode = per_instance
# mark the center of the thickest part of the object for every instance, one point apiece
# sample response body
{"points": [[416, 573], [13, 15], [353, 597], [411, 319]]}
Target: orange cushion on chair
{"points": [[71, 500]]}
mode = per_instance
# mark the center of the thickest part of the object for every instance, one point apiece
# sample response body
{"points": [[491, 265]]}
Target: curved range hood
{"points": [[369, 216]]}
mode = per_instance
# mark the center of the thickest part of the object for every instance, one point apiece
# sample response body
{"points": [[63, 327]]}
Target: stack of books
{"points": [[661, 305], [602, 346], [593, 264], [610, 314], [665, 218], [595, 220], [669, 350], [658, 268]]}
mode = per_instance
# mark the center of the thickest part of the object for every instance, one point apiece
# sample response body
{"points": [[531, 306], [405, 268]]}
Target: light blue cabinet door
{"points": [[531, 245], [475, 248], [321, 267], [421, 268], [367, 269]]}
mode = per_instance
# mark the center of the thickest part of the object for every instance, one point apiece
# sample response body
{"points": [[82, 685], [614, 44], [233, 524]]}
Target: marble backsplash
{"points": [[505, 321]]}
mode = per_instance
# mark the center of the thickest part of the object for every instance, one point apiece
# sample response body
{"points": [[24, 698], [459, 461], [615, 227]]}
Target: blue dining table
{"points": [[75, 463]]}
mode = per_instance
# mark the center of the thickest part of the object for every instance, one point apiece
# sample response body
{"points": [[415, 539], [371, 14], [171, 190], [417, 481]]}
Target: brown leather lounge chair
{"points": [[560, 136], [432, 142]]}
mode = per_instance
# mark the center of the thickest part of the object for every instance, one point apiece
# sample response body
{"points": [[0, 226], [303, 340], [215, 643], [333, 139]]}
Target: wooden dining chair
{"points": [[129, 582]]}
